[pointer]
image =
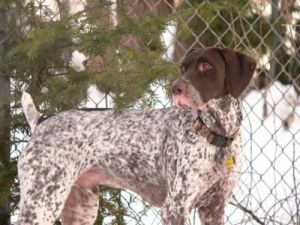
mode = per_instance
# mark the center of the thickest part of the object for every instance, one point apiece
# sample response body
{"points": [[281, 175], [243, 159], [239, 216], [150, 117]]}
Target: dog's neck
{"points": [[218, 112]]}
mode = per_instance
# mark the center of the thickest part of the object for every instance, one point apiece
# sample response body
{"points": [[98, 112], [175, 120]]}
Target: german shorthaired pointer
{"points": [[177, 158]]}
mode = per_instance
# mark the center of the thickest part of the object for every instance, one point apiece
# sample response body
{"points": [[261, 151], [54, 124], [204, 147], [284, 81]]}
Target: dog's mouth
{"points": [[181, 105], [184, 102]]}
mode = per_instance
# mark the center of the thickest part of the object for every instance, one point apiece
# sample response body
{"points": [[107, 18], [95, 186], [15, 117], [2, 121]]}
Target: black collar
{"points": [[212, 137]]}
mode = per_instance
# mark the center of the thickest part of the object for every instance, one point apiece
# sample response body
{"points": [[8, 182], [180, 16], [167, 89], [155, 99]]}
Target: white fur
{"points": [[30, 111]]}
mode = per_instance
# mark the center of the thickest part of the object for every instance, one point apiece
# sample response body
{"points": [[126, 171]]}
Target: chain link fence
{"points": [[269, 188]]}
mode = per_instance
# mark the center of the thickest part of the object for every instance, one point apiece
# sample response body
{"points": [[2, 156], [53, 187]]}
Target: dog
{"points": [[176, 158]]}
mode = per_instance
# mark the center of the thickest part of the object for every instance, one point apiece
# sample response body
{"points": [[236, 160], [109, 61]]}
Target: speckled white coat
{"points": [[155, 153]]}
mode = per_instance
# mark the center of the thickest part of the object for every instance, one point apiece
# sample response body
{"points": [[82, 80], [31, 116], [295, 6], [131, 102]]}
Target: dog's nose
{"points": [[178, 87]]}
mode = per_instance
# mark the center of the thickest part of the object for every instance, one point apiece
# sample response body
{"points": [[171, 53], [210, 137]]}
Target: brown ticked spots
{"points": [[155, 153]]}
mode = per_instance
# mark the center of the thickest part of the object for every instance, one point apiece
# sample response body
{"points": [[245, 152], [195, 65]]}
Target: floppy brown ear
{"points": [[239, 69], [190, 51]]}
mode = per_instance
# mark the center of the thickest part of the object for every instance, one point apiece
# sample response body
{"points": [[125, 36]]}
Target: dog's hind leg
{"points": [[81, 206], [45, 185], [41, 201], [37, 212]]}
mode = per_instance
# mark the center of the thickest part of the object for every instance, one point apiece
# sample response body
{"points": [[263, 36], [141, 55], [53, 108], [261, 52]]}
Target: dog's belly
{"points": [[151, 193]]}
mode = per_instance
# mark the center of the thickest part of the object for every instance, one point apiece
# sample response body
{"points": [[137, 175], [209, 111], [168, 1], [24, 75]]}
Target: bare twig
{"points": [[246, 210]]}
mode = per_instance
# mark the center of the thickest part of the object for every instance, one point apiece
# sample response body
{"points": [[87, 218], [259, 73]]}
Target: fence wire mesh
{"points": [[269, 188]]}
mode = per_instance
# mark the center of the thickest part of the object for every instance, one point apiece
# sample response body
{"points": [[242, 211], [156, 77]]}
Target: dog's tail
{"points": [[30, 111]]}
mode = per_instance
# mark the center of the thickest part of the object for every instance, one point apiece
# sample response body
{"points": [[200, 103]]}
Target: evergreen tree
{"points": [[6, 168]]}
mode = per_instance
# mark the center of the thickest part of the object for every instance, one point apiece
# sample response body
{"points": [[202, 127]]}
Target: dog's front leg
{"points": [[176, 208], [213, 213], [182, 195]]}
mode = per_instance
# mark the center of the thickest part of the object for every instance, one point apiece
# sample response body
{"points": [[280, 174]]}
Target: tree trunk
{"points": [[4, 126]]}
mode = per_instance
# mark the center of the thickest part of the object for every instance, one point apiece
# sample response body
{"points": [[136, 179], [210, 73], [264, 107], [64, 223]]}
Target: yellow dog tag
{"points": [[230, 162]]}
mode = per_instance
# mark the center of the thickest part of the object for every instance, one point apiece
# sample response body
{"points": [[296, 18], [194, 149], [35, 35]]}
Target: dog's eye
{"points": [[204, 66], [182, 69]]}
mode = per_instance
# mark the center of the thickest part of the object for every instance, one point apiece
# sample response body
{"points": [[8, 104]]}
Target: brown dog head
{"points": [[208, 73]]}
